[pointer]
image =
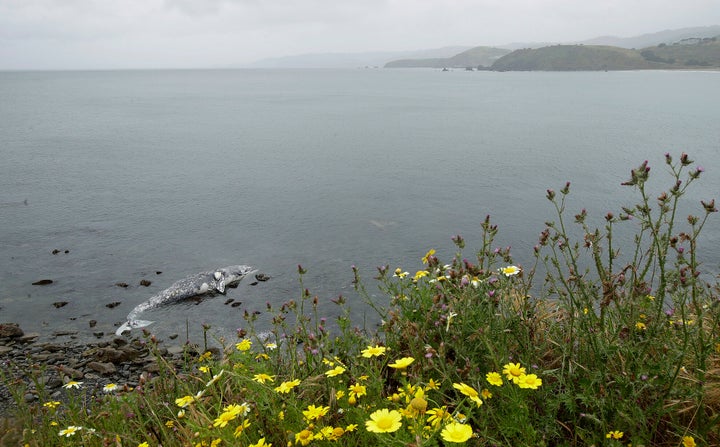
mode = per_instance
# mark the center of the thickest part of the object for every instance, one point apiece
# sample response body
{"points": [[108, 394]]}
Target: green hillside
{"points": [[688, 53], [474, 57], [692, 53], [573, 58]]}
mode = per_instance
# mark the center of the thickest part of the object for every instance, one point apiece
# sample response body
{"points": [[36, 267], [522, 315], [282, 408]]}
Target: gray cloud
{"points": [[174, 33]]}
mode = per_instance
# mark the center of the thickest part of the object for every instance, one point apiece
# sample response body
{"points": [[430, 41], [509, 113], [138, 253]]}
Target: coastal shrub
{"points": [[603, 339]]}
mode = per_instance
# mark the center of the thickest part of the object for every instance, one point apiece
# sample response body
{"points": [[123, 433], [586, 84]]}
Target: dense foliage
{"points": [[596, 343]]}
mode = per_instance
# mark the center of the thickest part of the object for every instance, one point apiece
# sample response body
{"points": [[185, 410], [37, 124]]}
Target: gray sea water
{"points": [[138, 172]]}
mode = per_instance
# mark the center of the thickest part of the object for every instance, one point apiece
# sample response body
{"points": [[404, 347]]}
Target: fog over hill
{"points": [[354, 60], [652, 39], [380, 58]]}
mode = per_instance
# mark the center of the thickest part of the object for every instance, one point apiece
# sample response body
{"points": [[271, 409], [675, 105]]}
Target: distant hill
{"points": [[571, 57], [353, 60], [688, 53], [459, 56], [474, 57], [649, 40], [691, 52]]}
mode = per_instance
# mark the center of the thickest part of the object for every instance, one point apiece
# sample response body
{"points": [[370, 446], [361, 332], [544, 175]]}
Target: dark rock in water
{"points": [[236, 304], [59, 304], [113, 304], [56, 251], [145, 282], [173, 336], [122, 284], [262, 277], [229, 300], [92, 323], [63, 333], [158, 273], [43, 282], [66, 251], [10, 330], [254, 283]]}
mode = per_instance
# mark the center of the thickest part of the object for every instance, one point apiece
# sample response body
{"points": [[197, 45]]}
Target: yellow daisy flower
{"points": [[286, 387], [262, 378], [530, 381], [373, 351], [426, 258], [243, 345], [261, 443], [338, 370], [241, 428], [438, 415], [304, 437], [456, 432], [469, 391], [513, 371], [402, 363], [494, 378], [384, 421], [314, 413], [183, 402], [357, 390]]}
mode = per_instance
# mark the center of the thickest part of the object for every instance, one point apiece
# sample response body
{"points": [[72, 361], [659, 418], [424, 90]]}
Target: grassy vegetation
{"points": [[571, 58], [597, 343], [704, 54]]}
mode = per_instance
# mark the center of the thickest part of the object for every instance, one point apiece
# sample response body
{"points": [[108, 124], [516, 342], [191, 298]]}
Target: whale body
{"points": [[198, 284]]}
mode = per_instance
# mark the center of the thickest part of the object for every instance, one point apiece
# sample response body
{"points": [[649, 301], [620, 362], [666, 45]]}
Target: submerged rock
{"points": [[10, 330], [43, 282]]}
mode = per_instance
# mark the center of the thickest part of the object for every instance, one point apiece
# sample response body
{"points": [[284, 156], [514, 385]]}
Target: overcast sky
{"points": [[82, 34]]}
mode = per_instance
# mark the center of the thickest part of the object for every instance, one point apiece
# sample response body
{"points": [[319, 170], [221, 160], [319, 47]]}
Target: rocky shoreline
{"points": [[39, 369]]}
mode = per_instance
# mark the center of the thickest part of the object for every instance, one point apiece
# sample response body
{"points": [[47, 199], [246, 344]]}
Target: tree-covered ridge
{"points": [[689, 53]]}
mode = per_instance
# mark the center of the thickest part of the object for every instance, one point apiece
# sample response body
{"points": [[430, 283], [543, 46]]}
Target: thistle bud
{"points": [[684, 160], [709, 206], [566, 189], [696, 173]]}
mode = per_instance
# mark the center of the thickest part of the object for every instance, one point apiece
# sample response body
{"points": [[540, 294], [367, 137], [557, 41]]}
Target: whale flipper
{"points": [[132, 324]]}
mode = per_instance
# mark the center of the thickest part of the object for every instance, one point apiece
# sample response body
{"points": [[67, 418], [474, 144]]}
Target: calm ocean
{"points": [[138, 172]]}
